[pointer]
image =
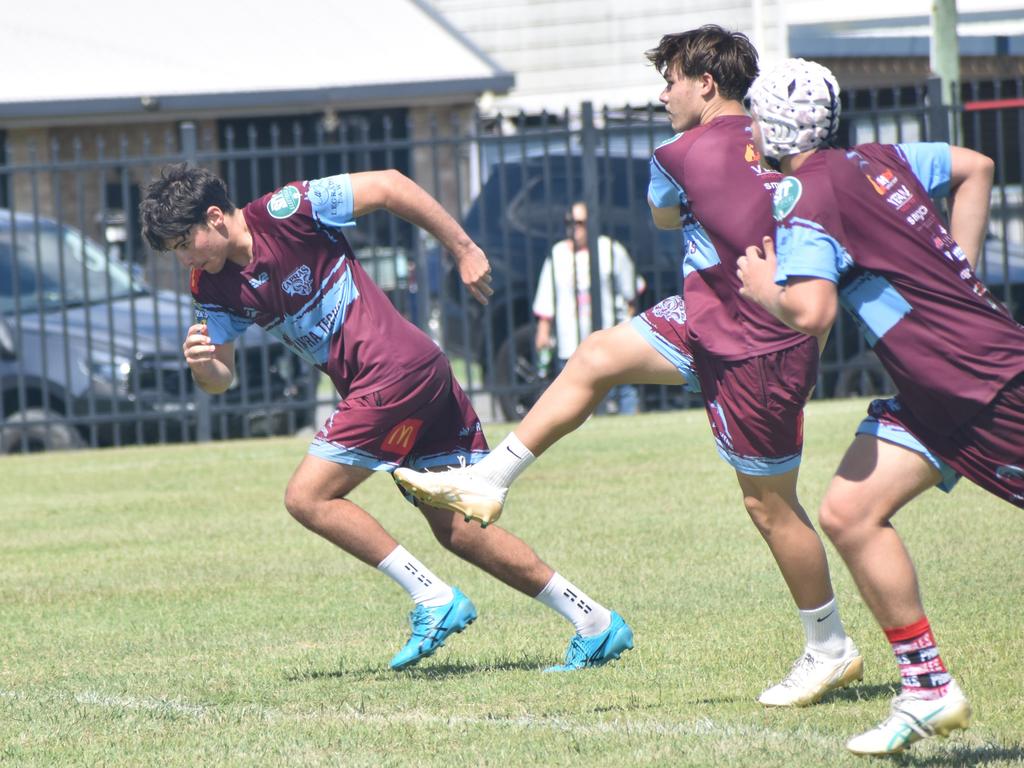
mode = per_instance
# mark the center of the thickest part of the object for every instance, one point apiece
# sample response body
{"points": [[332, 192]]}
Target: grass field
{"points": [[160, 608]]}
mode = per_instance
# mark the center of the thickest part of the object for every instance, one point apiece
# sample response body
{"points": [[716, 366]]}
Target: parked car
{"points": [[90, 356], [516, 218]]}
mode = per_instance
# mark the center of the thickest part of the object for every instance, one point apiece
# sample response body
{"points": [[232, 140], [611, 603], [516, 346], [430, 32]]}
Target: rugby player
{"points": [[283, 262], [858, 227], [755, 373]]}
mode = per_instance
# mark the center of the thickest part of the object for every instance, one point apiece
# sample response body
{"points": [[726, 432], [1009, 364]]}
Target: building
{"points": [[88, 84], [566, 51]]}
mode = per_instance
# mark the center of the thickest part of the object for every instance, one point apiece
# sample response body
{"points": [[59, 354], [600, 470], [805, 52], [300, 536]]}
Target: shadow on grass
{"points": [[959, 756], [858, 692], [426, 671], [854, 693]]}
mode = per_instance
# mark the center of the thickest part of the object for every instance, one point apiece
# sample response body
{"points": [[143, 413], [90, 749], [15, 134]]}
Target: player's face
{"points": [[204, 246], [683, 99]]}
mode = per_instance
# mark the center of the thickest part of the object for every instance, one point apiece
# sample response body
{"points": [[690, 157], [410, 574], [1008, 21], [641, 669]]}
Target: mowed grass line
{"points": [[161, 608]]}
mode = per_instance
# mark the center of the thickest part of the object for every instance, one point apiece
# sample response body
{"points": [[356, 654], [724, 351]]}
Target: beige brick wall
{"points": [[64, 170], [444, 133]]}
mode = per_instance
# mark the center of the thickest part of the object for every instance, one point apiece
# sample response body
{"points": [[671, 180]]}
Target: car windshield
{"points": [[51, 267]]}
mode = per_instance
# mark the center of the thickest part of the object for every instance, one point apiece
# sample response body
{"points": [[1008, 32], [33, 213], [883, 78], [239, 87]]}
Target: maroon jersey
{"points": [[863, 219], [712, 172], [305, 287]]}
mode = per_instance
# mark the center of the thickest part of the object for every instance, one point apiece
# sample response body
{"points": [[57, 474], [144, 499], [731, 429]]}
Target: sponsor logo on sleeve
{"points": [[284, 202], [299, 282], [787, 194]]}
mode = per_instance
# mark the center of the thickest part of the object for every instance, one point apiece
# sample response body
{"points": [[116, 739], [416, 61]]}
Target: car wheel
{"points": [[516, 373], [36, 429]]}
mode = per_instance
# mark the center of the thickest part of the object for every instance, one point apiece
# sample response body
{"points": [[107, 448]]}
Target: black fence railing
{"points": [[91, 321]]}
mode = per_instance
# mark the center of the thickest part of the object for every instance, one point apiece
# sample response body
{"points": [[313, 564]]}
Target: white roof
{"points": [[567, 51], [71, 51]]}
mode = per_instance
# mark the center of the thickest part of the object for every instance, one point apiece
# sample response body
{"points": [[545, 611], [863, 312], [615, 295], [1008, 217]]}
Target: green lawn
{"points": [[159, 607]]}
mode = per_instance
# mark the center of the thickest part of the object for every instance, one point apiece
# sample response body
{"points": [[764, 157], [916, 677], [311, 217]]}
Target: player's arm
{"points": [[663, 196], [397, 193], [665, 217], [212, 366], [971, 175], [805, 304]]}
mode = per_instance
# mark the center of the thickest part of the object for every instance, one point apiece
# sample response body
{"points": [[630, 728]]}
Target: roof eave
{"points": [[149, 108]]}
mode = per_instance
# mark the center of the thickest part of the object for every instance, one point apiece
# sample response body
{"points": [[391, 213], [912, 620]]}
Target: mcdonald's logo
{"points": [[402, 436]]}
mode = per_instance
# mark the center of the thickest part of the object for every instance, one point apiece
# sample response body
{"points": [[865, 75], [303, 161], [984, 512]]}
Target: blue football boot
{"points": [[431, 627], [594, 651]]}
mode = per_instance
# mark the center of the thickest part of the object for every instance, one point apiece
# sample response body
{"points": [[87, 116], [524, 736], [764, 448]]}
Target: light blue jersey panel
{"points": [[332, 201], [221, 326], [663, 191], [932, 163], [875, 303], [698, 250], [805, 249], [308, 332]]}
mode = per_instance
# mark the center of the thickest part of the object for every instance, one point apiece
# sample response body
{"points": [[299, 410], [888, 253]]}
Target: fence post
{"points": [[591, 186], [938, 112], [204, 417]]}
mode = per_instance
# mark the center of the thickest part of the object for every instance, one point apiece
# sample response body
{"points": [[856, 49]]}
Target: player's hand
{"points": [[756, 271], [475, 272], [197, 347]]}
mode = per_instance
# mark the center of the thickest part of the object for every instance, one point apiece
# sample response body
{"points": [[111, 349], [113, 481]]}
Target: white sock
{"points": [[589, 618], [416, 579], [824, 630], [506, 462]]}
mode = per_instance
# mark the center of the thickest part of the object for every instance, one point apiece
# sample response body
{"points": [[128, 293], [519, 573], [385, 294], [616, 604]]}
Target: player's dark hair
{"points": [[178, 200], [729, 57]]}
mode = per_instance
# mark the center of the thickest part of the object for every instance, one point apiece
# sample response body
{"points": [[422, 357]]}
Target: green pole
{"points": [[944, 54]]}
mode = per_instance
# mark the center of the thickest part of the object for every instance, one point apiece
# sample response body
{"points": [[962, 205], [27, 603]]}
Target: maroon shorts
{"points": [[988, 450], [424, 420], [756, 406]]}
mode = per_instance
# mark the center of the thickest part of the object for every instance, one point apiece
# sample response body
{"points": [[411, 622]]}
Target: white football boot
{"points": [[458, 490], [812, 676], [912, 719]]}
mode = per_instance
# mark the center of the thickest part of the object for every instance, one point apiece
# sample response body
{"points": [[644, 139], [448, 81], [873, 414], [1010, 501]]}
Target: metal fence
{"points": [[91, 321]]}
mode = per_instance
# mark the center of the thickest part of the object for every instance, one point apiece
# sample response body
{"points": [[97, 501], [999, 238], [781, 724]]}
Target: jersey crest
{"points": [[299, 282], [786, 196], [284, 202]]}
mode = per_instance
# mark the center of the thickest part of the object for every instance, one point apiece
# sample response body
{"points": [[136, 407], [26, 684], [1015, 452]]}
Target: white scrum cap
{"points": [[796, 104]]}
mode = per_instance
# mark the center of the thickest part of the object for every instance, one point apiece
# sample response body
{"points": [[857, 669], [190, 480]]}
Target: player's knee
{"points": [[759, 513], [300, 504], [840, 516]]}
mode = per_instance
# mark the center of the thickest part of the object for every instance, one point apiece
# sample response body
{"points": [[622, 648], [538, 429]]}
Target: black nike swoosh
{"points": [[825, 616]]}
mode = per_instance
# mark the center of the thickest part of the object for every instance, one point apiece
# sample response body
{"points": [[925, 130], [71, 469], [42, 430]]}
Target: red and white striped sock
{"points": [[921, 667]]}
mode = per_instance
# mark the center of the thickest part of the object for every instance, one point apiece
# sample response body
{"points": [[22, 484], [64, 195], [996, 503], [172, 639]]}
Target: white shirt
{"points": [[563, 290]]}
